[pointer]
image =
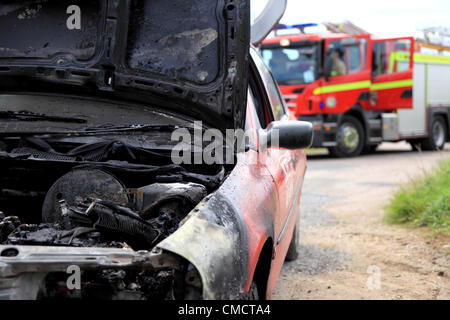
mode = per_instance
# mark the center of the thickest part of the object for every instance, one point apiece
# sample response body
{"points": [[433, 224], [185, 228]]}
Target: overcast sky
{"points": [[384, 18]]}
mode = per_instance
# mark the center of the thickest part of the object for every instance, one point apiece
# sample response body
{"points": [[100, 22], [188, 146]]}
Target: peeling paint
{"points": [[202, 75], [197, 40], [188, 44]]}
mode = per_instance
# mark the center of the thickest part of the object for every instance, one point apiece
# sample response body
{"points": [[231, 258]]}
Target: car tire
{"points": [[437, 135], [252, 294], [350, 138], [292, 253]]}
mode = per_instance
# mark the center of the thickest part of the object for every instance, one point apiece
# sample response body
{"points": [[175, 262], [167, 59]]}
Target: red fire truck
{"points": [[359, 91]]}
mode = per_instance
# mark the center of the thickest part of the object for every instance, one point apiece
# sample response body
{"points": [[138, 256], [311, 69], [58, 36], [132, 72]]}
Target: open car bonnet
{"points": [[187, 56]]}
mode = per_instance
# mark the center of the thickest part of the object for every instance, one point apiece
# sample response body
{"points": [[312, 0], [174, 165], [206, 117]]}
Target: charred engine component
{"points": [[150, 199], [154, 213], [91, 224], [167, 204], [35, 173], [115, 221], [92, 209], [111, 284], [168, 200], [106, 273], [55, 235], [79, 185], [7, 226]]}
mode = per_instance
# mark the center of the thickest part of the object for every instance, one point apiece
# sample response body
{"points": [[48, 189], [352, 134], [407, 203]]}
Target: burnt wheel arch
{"points": [[262, 271]]}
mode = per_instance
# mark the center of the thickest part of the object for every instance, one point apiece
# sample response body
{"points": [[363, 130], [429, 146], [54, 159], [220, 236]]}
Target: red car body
{"points": [[263, 193]]}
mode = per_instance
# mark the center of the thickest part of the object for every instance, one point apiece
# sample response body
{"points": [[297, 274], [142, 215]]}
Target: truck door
{"points": [[392, 74], [347, 73]]}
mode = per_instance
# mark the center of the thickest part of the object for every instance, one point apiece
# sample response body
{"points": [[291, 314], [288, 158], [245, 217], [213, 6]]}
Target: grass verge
{"points": [[424, 202]]}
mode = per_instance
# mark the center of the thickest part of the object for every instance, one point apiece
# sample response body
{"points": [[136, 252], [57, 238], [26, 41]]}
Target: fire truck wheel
{"points": [[349, 138], [437, 136]]}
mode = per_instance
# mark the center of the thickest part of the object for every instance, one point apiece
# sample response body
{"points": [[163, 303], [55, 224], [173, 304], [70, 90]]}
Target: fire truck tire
{"points": [[437, 136], [350, 138]]}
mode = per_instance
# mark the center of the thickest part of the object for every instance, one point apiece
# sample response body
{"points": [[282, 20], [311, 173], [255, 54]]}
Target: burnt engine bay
{"points": [[102, 194]]}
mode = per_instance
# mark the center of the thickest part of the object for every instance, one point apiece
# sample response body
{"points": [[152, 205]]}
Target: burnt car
{"points": [[93, 204]]}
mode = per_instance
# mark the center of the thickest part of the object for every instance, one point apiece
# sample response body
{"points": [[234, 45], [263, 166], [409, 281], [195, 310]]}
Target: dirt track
{"points": [[347, 251]]}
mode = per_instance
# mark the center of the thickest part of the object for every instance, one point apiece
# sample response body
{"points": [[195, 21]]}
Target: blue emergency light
{"points": [[295, 26]]}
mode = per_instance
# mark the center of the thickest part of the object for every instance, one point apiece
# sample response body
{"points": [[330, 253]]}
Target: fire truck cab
{"points": [[359, 91]]}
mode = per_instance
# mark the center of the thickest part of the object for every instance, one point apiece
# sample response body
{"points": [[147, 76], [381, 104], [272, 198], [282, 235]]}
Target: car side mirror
{"points": [[290, 135]]}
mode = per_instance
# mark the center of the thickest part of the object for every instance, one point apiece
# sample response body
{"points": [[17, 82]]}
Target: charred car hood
{"points": [[188, 56]]}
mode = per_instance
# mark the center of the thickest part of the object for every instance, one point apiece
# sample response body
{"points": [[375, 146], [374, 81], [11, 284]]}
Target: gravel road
{"points": [[346, 249]]}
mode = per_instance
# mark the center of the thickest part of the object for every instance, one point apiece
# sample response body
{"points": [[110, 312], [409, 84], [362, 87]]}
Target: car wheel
{"points": [[292, 253], [350, 138], [437, 136], [252, 294]]}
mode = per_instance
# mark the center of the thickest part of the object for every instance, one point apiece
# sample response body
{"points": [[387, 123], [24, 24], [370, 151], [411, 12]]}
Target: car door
{"points": [[392, 74], [341, 91], [287, 167]]}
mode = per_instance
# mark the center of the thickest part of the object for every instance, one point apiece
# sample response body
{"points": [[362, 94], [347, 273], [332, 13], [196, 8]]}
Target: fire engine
{"points": [[359, 90]]}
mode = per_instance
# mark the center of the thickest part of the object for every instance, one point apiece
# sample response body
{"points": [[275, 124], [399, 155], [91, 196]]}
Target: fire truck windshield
{"points": [[292, 65]]}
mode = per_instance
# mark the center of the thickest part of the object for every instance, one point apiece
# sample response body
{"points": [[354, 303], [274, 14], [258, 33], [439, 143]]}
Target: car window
{"points": [[273, 93]]}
